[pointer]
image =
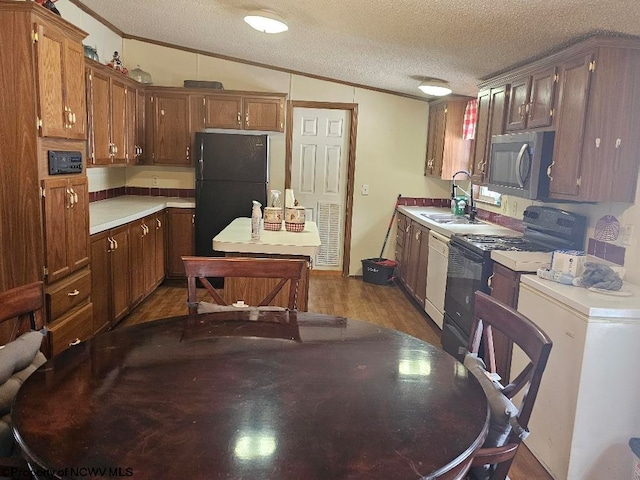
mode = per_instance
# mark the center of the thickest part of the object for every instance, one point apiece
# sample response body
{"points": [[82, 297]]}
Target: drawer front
{"points": [[76, 327], [67, 294]]}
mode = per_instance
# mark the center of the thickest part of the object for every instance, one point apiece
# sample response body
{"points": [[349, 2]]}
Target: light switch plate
{"points": [[364, 189]]}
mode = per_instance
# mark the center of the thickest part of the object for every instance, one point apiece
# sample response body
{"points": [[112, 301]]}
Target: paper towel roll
{"points": [[289, 199]]}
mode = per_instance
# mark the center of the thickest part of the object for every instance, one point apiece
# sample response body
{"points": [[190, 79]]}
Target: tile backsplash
{"points": [[151, 191]]}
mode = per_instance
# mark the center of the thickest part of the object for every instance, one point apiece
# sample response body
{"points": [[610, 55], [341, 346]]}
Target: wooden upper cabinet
{"points": [[264, 113], [604, 127], [60, 80], [447, 152], [541, 104], [116, 111], [118, 121], [99, 102], [74, 89], [479, 157], [491, 120], [564, 172], [172, 142], [247, 112], [518, 101], [141, 126], [131, 115], [223, 111], [531, 100], [66, 225]]}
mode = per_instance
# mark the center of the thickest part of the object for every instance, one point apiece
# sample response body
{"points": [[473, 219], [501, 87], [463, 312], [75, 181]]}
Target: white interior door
{"points": [[319, 176]]}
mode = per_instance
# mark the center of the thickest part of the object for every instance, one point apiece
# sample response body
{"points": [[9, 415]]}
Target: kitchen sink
{"points": [[449, 218]]}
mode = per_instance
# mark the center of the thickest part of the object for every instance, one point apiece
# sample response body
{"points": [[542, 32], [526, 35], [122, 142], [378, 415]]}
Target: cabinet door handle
{"points": [[188, 151], [75, 197], [73, 119], [69, 198], [246, 118], [144, 232], [75, 293], [115, 244], [239, 118], [549, 170], [111, 244], [193, 219], [417, 235], [75, 342], [158, 223], [490, 282]]}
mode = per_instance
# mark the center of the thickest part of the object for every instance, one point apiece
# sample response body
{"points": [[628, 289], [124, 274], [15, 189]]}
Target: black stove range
{"points": [[487, 243], [470, 264]]}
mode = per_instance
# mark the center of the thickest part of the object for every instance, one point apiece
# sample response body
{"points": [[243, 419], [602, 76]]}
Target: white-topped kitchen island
{"points": [[235, 241]]}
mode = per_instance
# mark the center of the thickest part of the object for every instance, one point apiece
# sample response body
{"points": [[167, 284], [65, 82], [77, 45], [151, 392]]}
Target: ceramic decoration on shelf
{"points": [[91, 53], [607, 229], [117, 65]]}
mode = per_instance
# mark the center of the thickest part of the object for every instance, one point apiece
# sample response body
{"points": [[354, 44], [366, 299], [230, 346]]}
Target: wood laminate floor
{"points": [[347, 297]]}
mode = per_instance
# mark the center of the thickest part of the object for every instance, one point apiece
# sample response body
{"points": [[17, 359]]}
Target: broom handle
{"points": [[386, 237]]}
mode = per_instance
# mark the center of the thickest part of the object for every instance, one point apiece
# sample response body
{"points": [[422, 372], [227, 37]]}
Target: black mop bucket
{"points": [[380, 270]]}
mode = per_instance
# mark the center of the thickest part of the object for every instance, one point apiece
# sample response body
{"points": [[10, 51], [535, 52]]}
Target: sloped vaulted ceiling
{"points": [[383, 44]]}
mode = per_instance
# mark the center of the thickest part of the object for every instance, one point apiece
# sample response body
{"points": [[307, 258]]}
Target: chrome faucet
{"points": [[471, 207]]}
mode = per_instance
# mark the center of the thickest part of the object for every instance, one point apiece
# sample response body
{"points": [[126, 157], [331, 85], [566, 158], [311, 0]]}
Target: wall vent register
{"points": [[64, 162]]}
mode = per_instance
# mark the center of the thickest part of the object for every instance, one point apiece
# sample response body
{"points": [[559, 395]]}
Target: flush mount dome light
{"points": [[265, 21], [435, 87]]}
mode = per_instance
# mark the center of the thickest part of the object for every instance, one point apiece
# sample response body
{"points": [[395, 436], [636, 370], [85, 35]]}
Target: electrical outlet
{"points": [[154, 181], [513, 206], [627, 234], [364, 189]]}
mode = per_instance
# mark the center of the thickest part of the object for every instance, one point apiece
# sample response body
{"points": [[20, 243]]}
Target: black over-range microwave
{"points": [[518, 164]]}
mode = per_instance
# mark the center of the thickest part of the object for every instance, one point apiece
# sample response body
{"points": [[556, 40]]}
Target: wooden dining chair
{"points": [[202, 268], [21, 312], [507, 430]]}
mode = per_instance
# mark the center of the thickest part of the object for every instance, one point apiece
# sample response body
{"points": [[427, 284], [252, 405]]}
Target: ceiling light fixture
{"points": [[265, 21], [435, 87]]}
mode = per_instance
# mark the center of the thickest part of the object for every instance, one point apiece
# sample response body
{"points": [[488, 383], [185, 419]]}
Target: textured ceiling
{"points": [[383, 44]]}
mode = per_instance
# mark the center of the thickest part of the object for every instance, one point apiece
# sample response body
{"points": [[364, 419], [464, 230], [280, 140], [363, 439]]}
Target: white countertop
{"points": [[236, 237], [448, 229], [522, 261], [113, 212], [592, 304]]}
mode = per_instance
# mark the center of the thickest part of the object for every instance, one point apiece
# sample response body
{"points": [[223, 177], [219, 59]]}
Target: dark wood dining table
{"points": [[223, 395]]}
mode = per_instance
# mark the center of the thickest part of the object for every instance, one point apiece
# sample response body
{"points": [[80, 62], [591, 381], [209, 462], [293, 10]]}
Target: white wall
{"points": [[103, 39]]}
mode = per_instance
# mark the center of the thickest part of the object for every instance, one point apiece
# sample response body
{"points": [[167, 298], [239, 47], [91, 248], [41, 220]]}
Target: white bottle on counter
{"points": [[256, 216]]}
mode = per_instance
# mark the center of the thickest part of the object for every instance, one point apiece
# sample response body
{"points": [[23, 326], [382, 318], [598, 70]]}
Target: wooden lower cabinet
{"points": [[73, 328], [415, 253], [504, 287], [180, 239], [110, 280], [146, 255]]}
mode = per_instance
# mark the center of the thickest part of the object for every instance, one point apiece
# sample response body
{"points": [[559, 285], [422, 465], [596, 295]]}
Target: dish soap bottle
{"points": [[256, 216]]}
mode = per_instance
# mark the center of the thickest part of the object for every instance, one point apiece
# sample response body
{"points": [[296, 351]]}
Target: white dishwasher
{"points": [[436, 276]]}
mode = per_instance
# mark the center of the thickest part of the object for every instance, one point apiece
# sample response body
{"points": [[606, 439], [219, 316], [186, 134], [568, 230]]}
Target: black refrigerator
{"points": [[231, 171]]}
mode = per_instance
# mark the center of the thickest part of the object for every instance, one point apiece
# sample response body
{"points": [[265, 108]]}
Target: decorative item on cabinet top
{"points": [[91, 53], [203, 84], [117, 65], [49, 5], [140, 75]]}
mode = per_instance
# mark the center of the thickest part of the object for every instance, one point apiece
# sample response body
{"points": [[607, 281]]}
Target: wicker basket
{"points": [[294, 227]]}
